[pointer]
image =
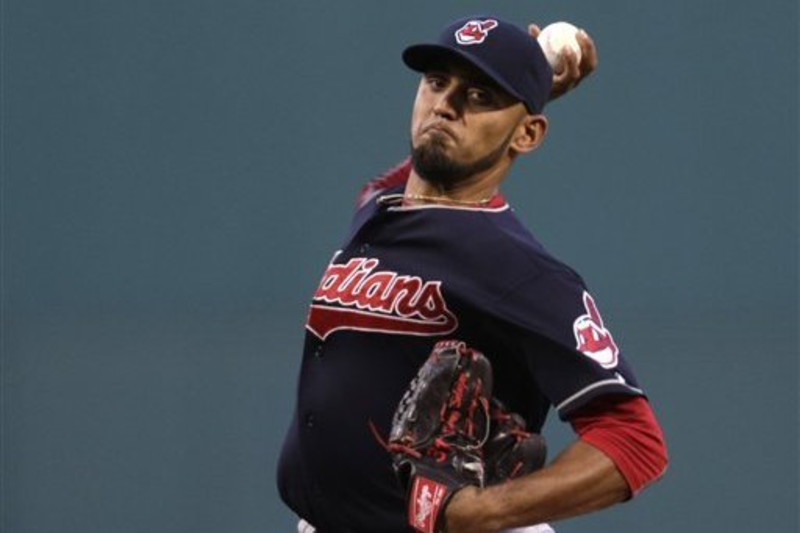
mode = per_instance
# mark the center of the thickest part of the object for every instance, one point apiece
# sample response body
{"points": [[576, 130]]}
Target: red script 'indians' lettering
{"points": [[354, 295]]}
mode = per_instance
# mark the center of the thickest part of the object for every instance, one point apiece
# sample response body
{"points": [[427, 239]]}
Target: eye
{"points": [[480, 97], [436, 81]]}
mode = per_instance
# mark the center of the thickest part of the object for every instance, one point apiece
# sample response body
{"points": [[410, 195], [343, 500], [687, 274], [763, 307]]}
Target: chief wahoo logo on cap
{"points": [[475, 31]]}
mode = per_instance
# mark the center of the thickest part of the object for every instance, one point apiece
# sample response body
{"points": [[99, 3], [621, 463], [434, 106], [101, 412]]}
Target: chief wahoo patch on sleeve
{"points": [[592, 338]]}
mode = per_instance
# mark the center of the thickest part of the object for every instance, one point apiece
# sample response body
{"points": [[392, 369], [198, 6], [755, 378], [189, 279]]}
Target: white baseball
{"points": [[556, 37]]}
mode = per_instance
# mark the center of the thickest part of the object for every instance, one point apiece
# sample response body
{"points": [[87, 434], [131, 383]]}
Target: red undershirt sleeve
{"points": [[396, 175], [626, 430]]}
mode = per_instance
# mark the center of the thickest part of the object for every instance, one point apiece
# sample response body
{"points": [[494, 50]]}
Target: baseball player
{"points": [[435, 252]]}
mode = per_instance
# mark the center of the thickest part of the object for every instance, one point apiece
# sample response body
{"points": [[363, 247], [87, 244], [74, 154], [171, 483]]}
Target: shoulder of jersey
{"points": [[518, 237]]}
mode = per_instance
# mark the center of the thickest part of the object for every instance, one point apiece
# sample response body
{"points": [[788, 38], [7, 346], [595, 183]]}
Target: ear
{"points": [[530, 133]]}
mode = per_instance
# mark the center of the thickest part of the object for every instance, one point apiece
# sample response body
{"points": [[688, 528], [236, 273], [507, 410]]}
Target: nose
{"points": [[446, 105]]}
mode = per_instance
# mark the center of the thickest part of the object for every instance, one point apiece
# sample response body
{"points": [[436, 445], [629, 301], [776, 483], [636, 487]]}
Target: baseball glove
{"points": [[438, 431], [510, 451]]}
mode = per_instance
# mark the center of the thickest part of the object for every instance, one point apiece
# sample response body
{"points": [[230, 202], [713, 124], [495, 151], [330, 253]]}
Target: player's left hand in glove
{"points": [[438, 431], [511, 451]]}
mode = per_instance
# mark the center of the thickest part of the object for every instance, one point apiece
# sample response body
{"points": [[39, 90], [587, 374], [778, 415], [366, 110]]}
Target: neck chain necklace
{"points": [[445, 199]]}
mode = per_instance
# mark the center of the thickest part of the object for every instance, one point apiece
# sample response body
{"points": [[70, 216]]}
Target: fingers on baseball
{"points": [[588, 53]]}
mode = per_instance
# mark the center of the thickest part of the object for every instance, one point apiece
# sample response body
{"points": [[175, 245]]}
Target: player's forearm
{"points": [[582, 479]]}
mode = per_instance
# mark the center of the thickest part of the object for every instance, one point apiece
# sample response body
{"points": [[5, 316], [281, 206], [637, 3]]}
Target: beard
{"points": [[432, 164]]}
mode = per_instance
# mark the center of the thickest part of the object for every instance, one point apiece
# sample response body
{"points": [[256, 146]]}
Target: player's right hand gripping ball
{"points": [[438, 431]]}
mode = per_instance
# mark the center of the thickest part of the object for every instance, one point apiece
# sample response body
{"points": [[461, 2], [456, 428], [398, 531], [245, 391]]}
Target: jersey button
{"points": [[310, 420], [363, 248], [318, 352]]}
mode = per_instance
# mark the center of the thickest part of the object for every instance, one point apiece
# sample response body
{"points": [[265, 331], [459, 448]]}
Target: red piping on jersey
{"points": [[626, 430]]}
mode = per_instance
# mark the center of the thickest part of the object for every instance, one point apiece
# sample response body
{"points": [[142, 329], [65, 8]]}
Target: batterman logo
{"points": [[356, 295], [475, 31], [592, 338], [427, 497]]}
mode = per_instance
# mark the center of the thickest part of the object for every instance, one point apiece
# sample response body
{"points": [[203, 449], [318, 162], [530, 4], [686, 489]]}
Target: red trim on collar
{"points": [[497, 201]]}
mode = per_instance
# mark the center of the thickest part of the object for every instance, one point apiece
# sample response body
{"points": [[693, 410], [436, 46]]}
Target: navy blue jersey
{"points": [[407, 277]]}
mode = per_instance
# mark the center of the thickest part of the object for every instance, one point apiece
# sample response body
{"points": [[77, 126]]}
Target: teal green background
{"points": [[175, 176]]}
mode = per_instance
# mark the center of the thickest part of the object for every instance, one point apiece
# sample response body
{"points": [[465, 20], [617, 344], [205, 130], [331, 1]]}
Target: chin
{"points": [[432, 163]]}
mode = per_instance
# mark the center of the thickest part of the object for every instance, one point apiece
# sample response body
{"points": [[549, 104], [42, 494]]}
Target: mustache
{"points": [[439, 126]]}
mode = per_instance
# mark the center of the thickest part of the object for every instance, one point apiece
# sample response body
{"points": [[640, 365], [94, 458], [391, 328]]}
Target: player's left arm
{"points": [[620, 450]]}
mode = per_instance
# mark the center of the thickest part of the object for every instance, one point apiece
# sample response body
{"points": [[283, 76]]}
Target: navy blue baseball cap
{"points": [[501, 50]]}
